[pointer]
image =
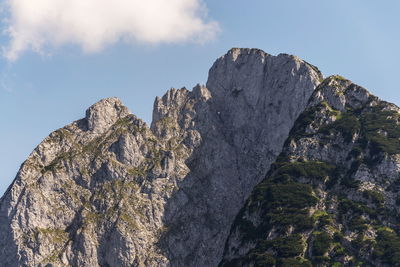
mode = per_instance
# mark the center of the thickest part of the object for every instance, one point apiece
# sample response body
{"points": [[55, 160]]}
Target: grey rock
{"points": [[105, 113], [345, 149], [108, 190]]}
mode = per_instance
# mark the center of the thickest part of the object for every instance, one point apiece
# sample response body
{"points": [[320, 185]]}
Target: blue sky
{"points": [[41, 92]]}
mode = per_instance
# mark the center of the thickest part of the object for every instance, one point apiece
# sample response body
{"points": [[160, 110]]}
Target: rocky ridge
{"points": [[331, 198], [108, 190]]}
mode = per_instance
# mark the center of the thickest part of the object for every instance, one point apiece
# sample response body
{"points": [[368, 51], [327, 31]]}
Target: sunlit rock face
{"points": [[108, 190]]}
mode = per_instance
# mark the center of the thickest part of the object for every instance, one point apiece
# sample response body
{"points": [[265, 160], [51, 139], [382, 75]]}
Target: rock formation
{"points": [[331, 198], [108, 190]]}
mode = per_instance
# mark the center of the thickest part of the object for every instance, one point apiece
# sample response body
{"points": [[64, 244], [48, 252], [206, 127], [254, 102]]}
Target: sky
{"points": [[58, 57]]}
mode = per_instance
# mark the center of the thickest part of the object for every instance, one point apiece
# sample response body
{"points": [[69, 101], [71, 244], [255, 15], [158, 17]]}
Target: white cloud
{"points": [[40, 25]]}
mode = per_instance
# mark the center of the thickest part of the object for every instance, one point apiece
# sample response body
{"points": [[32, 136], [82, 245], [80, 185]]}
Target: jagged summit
{"points": [[342, 92], [235, 52], [108, 190], [105, 113], [155, 195]]}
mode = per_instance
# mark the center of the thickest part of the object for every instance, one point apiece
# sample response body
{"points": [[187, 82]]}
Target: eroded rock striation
{"points": [[201, 186]]}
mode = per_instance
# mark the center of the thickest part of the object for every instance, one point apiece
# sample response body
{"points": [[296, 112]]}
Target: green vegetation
{"points": [[287, 247], [168, 123], [338, 250], [335, 77], [123, 122], [56, 163], [306, 118], [356, 152], [358, 224], [348, 125], [141, 172], [378, 128], [283, 203], [348, 181], [56, 236], [129, 220], [323, 218], [381, 130], [322, 243], [294, 262], [309, 169], [50, 168], [261, 259], [61, 135], [387, 248], [356, 208], [293, 195], [374, 196], [110, 194]]}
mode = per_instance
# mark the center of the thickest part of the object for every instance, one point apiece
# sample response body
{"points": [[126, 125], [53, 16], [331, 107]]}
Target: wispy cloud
{"points": [[6, 81], [42, 25]]}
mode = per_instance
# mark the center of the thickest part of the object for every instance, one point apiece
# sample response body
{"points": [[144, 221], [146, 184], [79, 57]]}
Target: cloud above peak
{"points": [[42, 25]]}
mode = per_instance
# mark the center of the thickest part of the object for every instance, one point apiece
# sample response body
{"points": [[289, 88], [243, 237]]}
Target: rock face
{"points": [[331, 198], [108, 190], [233, 145]]}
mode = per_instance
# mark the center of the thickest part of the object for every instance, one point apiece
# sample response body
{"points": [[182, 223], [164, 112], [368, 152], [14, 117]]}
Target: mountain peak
{"points": [[235, 52], [105, 113], [341, 93], [108, 190], [253, 73]]}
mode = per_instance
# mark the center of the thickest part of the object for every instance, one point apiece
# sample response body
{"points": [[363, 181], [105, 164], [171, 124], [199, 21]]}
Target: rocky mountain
{"points": [[332, 196], [269, 164]]}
